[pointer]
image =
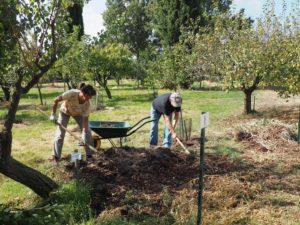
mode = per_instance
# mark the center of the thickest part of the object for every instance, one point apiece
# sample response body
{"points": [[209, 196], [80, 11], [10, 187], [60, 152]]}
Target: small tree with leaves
{"points": [[109, 62]]}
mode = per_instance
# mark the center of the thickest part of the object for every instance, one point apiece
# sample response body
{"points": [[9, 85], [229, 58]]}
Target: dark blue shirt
{"points": [[163, 105]]}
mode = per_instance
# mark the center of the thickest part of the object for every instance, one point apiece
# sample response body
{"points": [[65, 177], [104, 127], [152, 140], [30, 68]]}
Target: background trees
{"points": [[109, 62], [246, 57], [127, 22]]}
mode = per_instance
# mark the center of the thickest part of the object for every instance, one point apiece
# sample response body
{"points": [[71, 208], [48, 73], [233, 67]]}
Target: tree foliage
{"points": [[126, 22], [169, 17], [36, 29], [247, 57], [109, 62]]}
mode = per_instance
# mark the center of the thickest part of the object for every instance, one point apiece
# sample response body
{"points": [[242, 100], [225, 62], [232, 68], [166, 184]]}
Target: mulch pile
{"points": [[137, 178], [270, 136]]}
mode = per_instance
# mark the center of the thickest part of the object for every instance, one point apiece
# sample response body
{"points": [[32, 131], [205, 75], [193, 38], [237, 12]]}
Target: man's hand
{"points": [[52, 117]]}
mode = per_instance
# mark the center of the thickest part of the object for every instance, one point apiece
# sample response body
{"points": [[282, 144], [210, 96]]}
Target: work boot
{"points": [[152, 147]]}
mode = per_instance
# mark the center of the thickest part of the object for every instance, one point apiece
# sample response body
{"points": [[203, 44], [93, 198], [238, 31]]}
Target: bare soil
{"points": [[127, 178]]}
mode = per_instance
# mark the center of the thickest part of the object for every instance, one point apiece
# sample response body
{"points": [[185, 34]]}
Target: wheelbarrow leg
{"points": [[112, 143]]}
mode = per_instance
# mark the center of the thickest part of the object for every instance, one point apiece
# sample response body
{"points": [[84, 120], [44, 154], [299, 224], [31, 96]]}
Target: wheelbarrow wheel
{"points": [[97, 142]]}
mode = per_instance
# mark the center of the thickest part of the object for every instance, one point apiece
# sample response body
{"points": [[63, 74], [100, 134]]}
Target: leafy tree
{"points": [[109, 62], [73, 65], [170, 16], [8, 50], [44, 21], [286, 47], [248, 57], [126, 22], [75, 17]]}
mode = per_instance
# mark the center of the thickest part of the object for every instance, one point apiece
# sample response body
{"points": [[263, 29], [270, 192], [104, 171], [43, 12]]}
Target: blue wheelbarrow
{"points": [[114, 129]]}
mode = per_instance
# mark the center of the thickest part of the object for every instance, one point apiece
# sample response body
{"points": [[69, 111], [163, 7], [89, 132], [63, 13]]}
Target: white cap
{"points": [[175, 100]]}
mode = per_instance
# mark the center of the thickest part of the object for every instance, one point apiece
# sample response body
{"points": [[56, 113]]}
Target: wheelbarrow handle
{"points": [[138, 125], [148, 117]]}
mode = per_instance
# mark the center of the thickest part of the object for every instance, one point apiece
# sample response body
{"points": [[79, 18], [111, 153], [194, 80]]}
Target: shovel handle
{"points": [[75, 136], [67, 130], [182, 145]]}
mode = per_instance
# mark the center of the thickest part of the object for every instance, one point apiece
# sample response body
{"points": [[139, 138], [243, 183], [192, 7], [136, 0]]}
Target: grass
{"points": [[239, 197]]}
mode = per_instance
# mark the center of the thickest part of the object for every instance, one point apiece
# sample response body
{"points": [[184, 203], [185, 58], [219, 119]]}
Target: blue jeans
{"points": [[167, 140]]}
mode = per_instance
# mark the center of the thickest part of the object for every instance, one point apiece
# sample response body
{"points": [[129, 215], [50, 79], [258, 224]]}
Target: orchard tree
{"points": [[286, 75], [127, 22], [238, 56], [246, 57], [73, 65], [44, 21], [109, 62]]}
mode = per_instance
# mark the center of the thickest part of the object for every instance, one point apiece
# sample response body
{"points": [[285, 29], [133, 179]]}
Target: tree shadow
{"points": [[288, 113]]}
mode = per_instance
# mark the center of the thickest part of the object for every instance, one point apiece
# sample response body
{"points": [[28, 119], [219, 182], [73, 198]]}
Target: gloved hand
{"points": [[52, 117]]}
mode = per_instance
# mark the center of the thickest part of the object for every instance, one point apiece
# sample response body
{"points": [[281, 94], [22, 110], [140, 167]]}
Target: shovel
{"points": [[182, 145], [67, 130]]}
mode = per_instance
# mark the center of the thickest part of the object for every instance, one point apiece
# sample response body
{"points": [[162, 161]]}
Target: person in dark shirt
{"points": [[165, 105]]}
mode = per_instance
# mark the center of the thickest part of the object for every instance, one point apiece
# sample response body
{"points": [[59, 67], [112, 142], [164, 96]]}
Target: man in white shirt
{"points": [[75, 104]]}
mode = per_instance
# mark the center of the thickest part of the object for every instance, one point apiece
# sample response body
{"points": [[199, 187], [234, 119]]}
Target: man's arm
{"points": [[55, 103], [169, 125], [176, 117], [54, 107], [85, 123]]}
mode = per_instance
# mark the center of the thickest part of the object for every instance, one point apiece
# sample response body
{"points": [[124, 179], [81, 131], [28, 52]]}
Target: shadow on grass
{"points": [[289, 113], [48, 96], [270, 177]]}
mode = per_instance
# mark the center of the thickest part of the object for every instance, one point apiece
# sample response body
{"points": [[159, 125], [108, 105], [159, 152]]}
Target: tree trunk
{"points": [[103, 81], [40, 93], [39, 183], [247, 102], [6, 92], [108, 93]]}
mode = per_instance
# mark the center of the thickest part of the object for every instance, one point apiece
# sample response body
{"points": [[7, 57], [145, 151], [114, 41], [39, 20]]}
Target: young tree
{"points": [[109, 62], [43, 20]]}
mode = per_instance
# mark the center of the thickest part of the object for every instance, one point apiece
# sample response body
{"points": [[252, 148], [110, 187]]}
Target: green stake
{"points": [[204, 123], [299, 128]]}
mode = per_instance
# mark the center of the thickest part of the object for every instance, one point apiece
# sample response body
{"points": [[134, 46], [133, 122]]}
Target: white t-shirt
{"points": [[71, 105]]}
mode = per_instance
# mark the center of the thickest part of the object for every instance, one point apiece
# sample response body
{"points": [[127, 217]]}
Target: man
{"points": [[76, 104], [165, 105]]}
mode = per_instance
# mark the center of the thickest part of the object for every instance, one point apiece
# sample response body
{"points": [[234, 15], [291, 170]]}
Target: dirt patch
{"points": [[143, 182]]}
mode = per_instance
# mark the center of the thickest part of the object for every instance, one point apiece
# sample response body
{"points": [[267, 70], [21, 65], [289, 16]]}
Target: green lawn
{"points": [[33, 141]]}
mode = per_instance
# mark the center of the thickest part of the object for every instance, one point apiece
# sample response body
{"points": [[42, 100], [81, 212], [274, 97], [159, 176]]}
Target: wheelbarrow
{"points": [[114, 129]]}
